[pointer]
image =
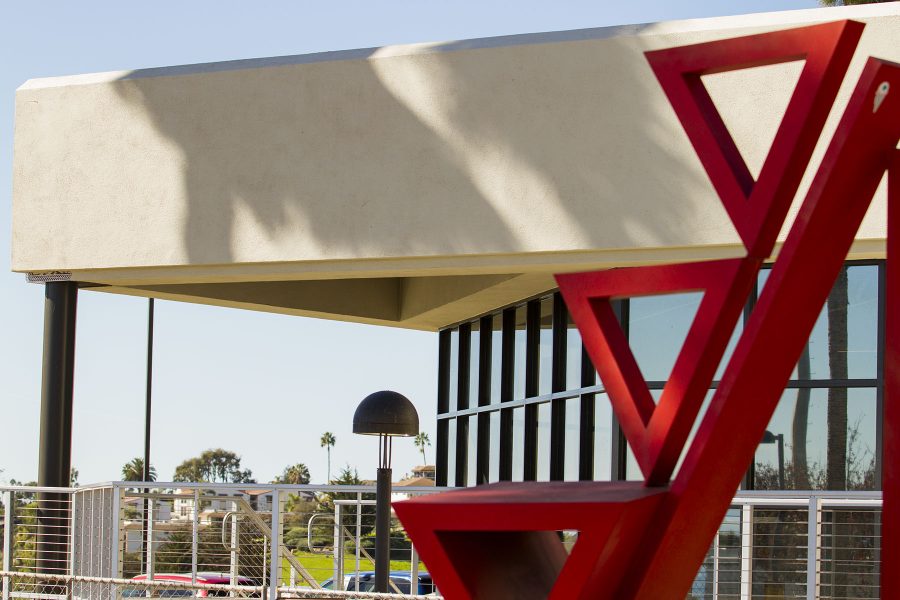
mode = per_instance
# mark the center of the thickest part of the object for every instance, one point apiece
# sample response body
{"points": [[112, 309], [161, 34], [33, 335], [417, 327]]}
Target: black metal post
{"points": [[55, 454], [149, 394], [147, 420], [382, 529]]}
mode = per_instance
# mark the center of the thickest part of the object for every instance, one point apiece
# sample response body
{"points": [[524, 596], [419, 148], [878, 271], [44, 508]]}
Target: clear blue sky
{"points": [[265, 386]]}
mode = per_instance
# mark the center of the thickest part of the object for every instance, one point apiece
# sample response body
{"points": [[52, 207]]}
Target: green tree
{"points": [[348, 476], [133, 470], [73, 477], [213, 466], [421, 440], [297, 474], [327, 441]]}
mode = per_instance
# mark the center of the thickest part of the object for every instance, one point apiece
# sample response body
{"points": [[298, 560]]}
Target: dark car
{"points": [[401, 579]]}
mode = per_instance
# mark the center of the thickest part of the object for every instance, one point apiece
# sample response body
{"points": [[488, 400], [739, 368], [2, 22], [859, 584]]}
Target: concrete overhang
{"points": [[413, 186]]}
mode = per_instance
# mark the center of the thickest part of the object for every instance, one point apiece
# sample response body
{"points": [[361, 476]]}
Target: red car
{"points": [[203, 578]]}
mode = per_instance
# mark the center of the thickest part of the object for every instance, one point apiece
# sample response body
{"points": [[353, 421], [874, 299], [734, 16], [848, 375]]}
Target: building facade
{"points": [[520, 400]]}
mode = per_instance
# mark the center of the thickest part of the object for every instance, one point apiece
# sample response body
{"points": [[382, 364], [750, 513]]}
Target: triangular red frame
{"points": [[658, 431], [475, 540], [757, 209]]}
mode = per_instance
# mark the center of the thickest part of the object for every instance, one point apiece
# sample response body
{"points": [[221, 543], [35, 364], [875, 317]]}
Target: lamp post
{"points": [[771, 438], [385, 414]]}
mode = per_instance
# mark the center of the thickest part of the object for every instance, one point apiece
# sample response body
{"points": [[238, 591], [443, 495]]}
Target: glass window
{"points": [[572, 442], [453, 374], [657, 328], [844, 339], [451, 452], [518, 444], [472, 461], [729, 349], [632, 468], [494, 462], [545, 353], [543, 442], [573, 356], [496, 357], [822, 438], [602, 438], [520, 349], [696, 426], [474, 359]]}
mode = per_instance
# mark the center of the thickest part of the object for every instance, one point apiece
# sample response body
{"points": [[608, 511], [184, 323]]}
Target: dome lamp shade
{"points": [[386, 413]]}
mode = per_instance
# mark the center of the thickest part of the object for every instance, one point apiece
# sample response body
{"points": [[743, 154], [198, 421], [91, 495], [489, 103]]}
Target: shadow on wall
{"points": [[509, 140]]}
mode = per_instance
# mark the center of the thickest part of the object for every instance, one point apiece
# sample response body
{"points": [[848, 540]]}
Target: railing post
{"points": [[358, 538], [235, 545], [150, 505], [813, 552], [275, 564], [8, 525], [338, 549], [117, 536], [195, 534], [746, 551], [117, 539], [413, 571], [715, 582]]}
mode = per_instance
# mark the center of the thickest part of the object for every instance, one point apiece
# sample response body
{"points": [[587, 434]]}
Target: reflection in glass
{"points": [[572, 443], [494, 462], [451, 452], [543, 442], [520, 348], [518, 444], [472, 460], [573, 356], [453, 372], [844, 339], [602, 438], [545, 354], [829, 459], [657, 328]]}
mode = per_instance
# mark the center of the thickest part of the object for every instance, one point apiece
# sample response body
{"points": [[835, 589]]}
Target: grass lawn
{"points": [[321, 566]]}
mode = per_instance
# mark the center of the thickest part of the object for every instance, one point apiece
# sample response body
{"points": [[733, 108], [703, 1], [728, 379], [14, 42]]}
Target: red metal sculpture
{"points": [[647, 540]]}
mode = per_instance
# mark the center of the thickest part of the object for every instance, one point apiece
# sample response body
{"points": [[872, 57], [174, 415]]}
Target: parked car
{"points": [[402, 579], [206, 578]]}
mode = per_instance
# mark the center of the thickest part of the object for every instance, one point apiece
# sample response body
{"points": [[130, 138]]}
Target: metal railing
{"points": [[116, 540]]}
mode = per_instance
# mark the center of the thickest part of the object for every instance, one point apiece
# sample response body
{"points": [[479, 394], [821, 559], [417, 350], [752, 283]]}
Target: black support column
{"points": [[55, 460]]}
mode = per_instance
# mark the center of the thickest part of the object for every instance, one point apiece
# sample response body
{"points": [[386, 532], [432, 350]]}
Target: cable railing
{"points": [[118, 540]]}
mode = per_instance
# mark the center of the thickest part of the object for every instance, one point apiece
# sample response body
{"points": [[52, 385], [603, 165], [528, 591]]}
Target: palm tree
{"points": [[421, 440], [327, 441], [294, 475], [133, 470]]}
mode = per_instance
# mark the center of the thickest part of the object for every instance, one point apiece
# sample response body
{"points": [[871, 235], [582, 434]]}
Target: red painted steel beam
{"points": [[801, 279], [657, 432], [758, 208]]}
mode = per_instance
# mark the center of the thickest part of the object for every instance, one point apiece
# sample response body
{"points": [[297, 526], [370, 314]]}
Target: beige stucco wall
{"points": [[495, 158]]}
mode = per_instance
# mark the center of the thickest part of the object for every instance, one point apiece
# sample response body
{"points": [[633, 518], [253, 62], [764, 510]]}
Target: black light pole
{"points": [[147, 405], [149, 391], [385, 414]]}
